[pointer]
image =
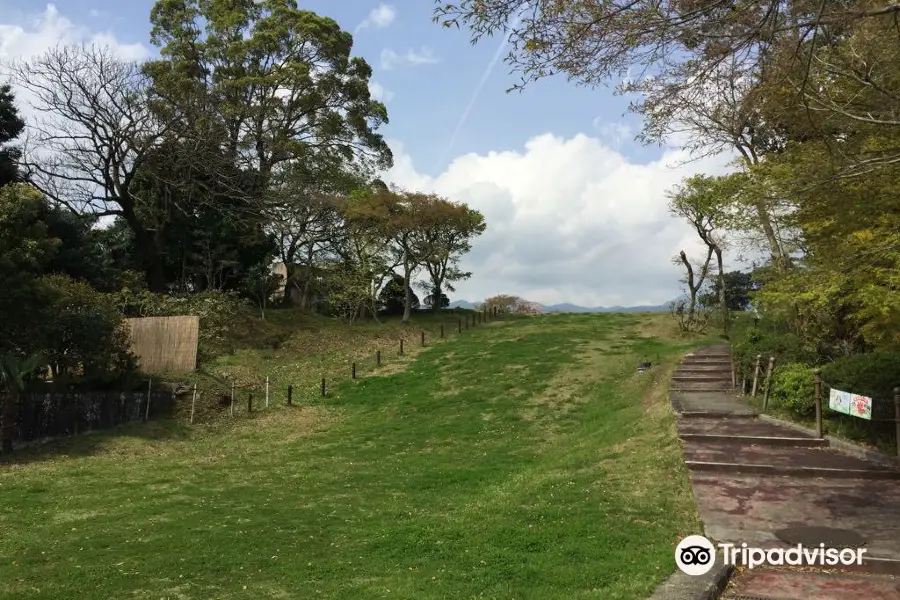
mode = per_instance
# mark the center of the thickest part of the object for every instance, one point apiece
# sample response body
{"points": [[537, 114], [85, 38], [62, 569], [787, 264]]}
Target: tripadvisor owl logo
{"points": [[695, 555]]}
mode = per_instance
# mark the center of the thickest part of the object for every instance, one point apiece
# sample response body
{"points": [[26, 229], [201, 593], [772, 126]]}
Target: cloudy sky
{"points": [[576, 209]]}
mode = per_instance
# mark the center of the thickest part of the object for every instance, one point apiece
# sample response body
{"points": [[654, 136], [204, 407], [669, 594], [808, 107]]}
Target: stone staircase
{"points": [[706, 370], [754, 477]]}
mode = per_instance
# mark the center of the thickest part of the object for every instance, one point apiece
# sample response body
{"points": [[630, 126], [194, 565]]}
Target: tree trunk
{"points": [[723, 298], [8, 429], [436, 295], [694, 286], [290, 274], [148, 249], [407, 293], [778, 257]]}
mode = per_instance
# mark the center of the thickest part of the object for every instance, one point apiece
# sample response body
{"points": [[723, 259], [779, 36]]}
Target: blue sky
{"points": [[428, 97], [576, 209]]}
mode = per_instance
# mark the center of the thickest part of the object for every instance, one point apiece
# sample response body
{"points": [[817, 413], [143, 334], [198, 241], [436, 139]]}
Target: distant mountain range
{"points": [[574, 308]]}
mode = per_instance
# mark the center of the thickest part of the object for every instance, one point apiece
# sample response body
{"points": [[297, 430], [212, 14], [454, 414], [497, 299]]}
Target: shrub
{"points": [[875, 375], [793, 388], [83, 333], [785, 347]]}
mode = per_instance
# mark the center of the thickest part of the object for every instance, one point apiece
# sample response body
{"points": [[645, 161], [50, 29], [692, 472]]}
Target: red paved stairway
{"points": [[752, 478]]}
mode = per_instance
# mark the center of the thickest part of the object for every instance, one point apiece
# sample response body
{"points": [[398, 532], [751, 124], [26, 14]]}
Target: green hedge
{"points": [[874, 375], [793, 388], [785, 347]]}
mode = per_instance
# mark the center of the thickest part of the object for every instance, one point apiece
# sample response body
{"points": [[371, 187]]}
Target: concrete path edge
{"points": [[681, 586]]}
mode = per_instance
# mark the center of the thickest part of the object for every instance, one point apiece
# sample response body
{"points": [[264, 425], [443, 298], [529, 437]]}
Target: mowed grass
{"points": [[523, 459], [299, 349]]}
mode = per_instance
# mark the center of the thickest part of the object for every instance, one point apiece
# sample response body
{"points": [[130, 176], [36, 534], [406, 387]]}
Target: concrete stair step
{"points": [[702, 386], [756, 440], [735, 456], [738, 425], [704, 368], [799, 471], [693, 360], [714, 414], [706, 376]]}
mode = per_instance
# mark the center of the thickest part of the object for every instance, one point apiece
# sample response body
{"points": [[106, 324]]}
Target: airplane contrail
{"points": [[478, 88]]}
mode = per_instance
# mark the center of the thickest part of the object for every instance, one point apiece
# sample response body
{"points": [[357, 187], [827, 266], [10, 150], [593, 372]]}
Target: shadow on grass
{"points": [[93, 442]]}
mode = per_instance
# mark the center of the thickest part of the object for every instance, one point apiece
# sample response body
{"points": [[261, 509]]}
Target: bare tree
{"points": [[692, 319], [95, 129]]}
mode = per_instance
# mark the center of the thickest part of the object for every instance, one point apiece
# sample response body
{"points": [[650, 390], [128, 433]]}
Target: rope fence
{"points": [[53, 414]]}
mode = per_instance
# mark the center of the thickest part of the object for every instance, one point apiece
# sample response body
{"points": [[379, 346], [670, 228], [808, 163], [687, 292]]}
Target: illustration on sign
{"points": [[839, 401], [861, 406]]}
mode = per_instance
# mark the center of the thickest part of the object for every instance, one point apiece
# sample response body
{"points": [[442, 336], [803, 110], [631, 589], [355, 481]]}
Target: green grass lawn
{"points": [[523, 459]]}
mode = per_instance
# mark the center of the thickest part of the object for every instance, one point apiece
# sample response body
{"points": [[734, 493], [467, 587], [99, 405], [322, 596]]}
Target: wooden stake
{"points": [[147, 412], [193, 403]]}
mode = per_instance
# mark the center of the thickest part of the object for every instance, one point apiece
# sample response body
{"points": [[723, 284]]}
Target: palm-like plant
{"points": [[14, 373]]}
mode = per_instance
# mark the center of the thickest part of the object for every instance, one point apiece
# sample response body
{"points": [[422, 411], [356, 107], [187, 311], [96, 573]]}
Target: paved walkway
{"points": [[752, 478]]}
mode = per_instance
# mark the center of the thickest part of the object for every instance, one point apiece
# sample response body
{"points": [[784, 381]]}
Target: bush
{"points": [[875, 375], [218, 312], [793, 388], [785, 347], [83, 333]]}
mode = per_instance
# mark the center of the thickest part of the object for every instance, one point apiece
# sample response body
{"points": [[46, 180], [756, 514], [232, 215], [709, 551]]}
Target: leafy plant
{"points": [[784, 346], [14, 374], [793, 388], [85, 335]]}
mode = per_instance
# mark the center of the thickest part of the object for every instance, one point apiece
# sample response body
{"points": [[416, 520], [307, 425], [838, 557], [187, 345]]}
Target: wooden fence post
{"points": [[401, 346], [459, 324], [267, 391], [193, 402], [768, 385], [817, 379], [353, 371], [290, 394], [250, 403], [378, 358], [423, 337], [232, 398], [734, 373], [323, 386], [442, 331], [897, 417], [147, 411], [756, 375]]}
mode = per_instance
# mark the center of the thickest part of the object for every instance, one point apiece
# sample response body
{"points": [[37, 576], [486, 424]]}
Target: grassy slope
{"points": [[291, 347], [520, 460]]}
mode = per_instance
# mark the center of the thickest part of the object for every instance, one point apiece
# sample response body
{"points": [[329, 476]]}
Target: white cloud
{"points": [[423, 56], [379, 92], [379, 17], [45, 30], [568, 220], [49, 28]]}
